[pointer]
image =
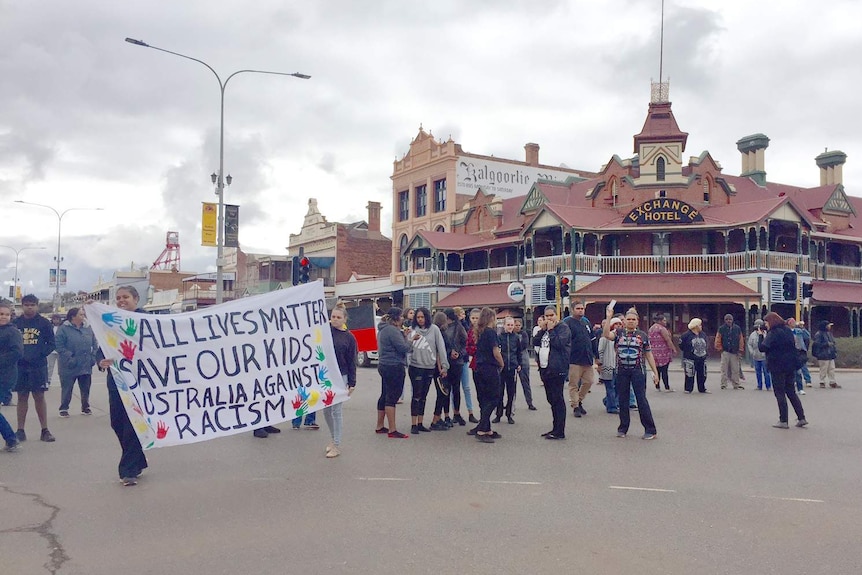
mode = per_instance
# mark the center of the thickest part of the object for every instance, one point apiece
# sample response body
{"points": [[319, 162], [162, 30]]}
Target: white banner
{"points": [[221, 370]]}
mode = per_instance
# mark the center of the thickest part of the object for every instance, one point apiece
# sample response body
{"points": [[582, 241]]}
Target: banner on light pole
{"points": [[52, 277], [231, 226], [209, 224]]}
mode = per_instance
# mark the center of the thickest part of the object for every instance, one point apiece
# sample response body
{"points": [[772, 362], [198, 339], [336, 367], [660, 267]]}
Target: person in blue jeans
{"points": [[758, 358], [11, 350], [802, 339], [310, 421], [8, 434], [607, 364]]}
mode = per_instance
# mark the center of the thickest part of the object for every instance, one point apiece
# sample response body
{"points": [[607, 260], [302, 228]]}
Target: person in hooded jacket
{"points": [[823, 349], [11, 350], [76, 350], [429, 354], [781, 361], [510, 347]]}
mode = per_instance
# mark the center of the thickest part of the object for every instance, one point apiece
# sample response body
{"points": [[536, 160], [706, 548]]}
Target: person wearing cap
{"points": [[607, 365], [731, 343], [758, 358], [781, 360], [693, 346], [824, 350], [633, 356]]}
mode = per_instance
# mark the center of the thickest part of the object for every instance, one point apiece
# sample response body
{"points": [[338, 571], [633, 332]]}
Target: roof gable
{"points": [[838, 203]]}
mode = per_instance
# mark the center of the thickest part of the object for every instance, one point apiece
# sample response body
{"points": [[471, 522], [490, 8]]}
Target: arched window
{"points": [[402, 257], [439, 229], [706, 190], [659, 169]]}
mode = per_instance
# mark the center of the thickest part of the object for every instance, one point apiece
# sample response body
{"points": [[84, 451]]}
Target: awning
{"points": [[836, 292], [672, 288], [493, 295]]}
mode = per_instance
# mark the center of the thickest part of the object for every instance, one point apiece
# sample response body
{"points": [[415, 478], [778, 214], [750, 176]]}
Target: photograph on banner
{"points": [[221, 370]]}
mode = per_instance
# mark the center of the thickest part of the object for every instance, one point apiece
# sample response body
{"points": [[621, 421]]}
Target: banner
{"points": [[52, 277], [209, 224], [222, 370], [231, 226]]}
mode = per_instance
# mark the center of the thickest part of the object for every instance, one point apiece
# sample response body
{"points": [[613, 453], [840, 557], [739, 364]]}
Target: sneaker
{"points": [[64, 414], [397, 435], [472, 419], [271, 429], [311, 426], [531, 407], [738, 387], [448, 423], [294, 427], [724, 387], [621, 434], [808, 384], [510, 420], [834, 386], [12, 446], [329, 447], [46, 436], [438, 425], [649, 436], [581, 409], [422, 428], [334, 452], [576, 412], [822, 386], [21, 435], [129, 481], [458, 419], [473, 431], [485, 438], [670, 390], [634, 407], [496, 419], [381, 430], [616, 411], [414, 429], [86, 411], [801, 423], [553, 436], [801, 392], [781, 425], [261, 433]]}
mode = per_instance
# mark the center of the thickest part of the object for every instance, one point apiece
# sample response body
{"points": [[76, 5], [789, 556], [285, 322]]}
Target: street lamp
{"points": [[15, 279], [220, 176], [59, 235]]}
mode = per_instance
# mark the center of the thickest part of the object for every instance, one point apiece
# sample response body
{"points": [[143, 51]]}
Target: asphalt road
{"points": [[719, 492]]}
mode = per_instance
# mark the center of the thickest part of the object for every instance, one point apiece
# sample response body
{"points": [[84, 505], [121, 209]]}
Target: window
{"points": [[403, 205], [421, 200], [402, 257], [440, 195], [439, 229], [659, 169], [662, 193], [705, 191]]}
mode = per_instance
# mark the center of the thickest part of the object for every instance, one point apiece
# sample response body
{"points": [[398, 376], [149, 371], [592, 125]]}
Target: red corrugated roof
{"points": [[677, 288], [837, 292]]}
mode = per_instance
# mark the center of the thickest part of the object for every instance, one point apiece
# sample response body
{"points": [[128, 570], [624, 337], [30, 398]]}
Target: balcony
{"points": [[776, 262]]}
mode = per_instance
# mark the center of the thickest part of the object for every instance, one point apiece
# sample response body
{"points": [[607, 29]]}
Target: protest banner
{"points": [[221, 370]]}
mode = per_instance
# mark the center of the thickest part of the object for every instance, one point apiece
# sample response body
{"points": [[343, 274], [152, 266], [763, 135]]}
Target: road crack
{"points": [[45, 530]]}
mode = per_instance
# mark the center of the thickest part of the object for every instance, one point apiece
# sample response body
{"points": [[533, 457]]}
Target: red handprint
{"points": [[127, 348], [137, 410], [161, 430], [297, 401], [328, 397]]}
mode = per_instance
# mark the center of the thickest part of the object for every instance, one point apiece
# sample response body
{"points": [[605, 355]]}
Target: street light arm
{"points": [[145, 45], [299, 75], [41, 206]]}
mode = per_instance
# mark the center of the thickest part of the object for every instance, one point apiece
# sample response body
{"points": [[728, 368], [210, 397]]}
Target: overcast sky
{"points": [[87, 120]]}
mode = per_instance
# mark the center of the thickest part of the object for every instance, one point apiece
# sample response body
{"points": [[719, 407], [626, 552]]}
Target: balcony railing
{"points": [[606, 265]]}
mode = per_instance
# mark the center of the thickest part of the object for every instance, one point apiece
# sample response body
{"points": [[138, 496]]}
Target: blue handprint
{"points": [[111, 318], [303, 393]]}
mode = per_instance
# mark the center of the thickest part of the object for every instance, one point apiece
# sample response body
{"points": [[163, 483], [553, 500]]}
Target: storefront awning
{"points": [[673, 288], [493, 295], [836, 292]]}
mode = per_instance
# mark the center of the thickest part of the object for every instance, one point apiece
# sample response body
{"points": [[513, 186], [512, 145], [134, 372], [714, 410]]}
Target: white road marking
{"points": [[801, 500], [641, 489], [513, 482], [384, 478]]}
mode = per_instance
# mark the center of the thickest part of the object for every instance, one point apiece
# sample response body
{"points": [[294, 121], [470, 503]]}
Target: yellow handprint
{"points": [[313, 398], [112, 340], [318, 335]]}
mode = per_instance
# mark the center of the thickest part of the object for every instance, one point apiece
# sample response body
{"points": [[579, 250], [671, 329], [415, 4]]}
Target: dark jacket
{"points": [[11, 350], [823, 346], [780, 349], [38, 334], [730, 339], [560, 343], [345, 353], [581, 350], [392, 347], [510, 347], [76, 349], [688, 344], [456, 340]]}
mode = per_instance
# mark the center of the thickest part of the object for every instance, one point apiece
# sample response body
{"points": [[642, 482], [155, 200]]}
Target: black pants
{"points": [[663, 375], [133, 460], [524, 375], [554, 383], [443, 385], [636, 379], [784, 388], [391, 385], [699, 374], [420, 381], [487, 380], [508, 386], [67, 384]]}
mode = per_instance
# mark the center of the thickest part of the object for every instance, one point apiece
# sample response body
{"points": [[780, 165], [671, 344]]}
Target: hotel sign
{"points": [[663, 211]]}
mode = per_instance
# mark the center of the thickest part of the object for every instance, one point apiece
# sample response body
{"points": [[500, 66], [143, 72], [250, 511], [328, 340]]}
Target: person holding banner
{"points": [[345, 353], [392, 350], [132, 461]]}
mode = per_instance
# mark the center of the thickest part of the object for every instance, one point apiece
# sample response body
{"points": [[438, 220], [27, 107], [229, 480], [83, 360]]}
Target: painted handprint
{"points": [[320, 354], [328, 397], [162, 430], [303, 393], [313, 397], [111, 318], [297, 401], [131, 328], [127, 348], [321, 377], [137, 410]]}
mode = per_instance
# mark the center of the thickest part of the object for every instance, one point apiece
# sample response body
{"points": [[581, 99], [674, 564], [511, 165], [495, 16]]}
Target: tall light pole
{"points": [[15, 279], [220, 182], [59, 237]]}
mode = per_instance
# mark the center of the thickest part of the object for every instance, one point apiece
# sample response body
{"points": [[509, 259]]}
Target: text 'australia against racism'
{"points": [[238, 404]]}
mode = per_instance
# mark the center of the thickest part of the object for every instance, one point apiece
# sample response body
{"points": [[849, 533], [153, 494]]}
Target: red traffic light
{"points": [[564, 281], [304, 262]]}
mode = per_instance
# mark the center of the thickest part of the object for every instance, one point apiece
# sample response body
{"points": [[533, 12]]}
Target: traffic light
{"points": [[788, 286], [294, 270], [807, 290], [550, 288], [564, 287], [304, 269]]}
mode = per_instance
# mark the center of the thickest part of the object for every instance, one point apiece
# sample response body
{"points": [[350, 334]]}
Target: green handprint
{"points": [[320, 355], [131, 328]]}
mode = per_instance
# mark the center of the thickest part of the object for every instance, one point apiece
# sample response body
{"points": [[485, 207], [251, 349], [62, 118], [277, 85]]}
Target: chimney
{"points": [[831, 167], [532, 154], [753, 162], [373, 216]]}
